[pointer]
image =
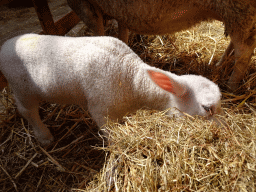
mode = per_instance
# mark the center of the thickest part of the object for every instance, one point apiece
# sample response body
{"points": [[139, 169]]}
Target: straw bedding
{"points": [[149, 151]]}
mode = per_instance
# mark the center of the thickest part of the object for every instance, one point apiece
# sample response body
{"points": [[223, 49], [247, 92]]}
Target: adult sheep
{"points": [[169, 16]]}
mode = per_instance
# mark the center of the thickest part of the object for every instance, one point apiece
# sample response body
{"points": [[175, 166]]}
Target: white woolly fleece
{"points": [[101, 74]]}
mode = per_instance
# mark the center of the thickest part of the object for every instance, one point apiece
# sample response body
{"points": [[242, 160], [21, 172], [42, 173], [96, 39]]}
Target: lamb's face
{"points": [[201, 98], [191, 94]]}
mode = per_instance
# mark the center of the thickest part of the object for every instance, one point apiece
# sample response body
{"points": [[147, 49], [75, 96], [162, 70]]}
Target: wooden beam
{"points": [[66, 23], [61, 27], [45, 17]]}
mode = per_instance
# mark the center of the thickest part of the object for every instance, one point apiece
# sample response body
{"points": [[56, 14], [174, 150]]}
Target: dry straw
{"points": [[149, 151], [152, 152]]}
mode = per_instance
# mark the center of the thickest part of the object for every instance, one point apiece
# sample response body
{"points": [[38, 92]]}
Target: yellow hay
{"points": [[149, 151]]}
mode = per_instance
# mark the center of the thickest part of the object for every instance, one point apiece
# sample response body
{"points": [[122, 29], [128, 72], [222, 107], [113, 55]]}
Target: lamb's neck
{"points": [[147, 93]]}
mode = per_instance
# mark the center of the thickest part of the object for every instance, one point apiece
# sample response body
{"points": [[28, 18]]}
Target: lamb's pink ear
{"points": [[167, 83]]}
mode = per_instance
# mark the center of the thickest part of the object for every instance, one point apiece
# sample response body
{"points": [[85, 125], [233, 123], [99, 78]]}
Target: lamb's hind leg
{"points": [[90, 14], [243, 54], [29, 110]]}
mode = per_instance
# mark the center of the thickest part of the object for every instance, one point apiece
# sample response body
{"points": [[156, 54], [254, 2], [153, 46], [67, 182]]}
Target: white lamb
{"points": [[102, 74]]}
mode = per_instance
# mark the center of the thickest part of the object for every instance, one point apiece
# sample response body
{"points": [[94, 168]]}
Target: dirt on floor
{"points": [[20, 20]]}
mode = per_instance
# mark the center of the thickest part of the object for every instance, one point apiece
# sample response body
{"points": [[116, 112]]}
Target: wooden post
{"points": [[61, 27], [66, 23], [45, 17]]}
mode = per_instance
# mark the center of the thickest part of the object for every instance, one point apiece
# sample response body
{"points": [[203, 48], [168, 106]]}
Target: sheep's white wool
{"points": [[102, 74]]}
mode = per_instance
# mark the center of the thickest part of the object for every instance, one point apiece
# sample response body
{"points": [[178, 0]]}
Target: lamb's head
{"points": [[192, 94]]}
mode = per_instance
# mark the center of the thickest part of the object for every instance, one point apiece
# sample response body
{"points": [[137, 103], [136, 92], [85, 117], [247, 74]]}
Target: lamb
{"points": [[162, 17], [102, 74]]}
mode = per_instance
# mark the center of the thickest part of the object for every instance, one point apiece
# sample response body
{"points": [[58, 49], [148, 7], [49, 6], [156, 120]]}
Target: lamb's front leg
{"points": [[30, 112]]}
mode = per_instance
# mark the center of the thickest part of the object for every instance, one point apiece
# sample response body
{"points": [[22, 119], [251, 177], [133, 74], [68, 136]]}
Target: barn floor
{"points": [[15, 21], [75, 161]]}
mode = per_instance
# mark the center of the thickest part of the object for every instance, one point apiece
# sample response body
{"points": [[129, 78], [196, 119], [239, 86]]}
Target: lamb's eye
{"points": [[208, 109]]}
